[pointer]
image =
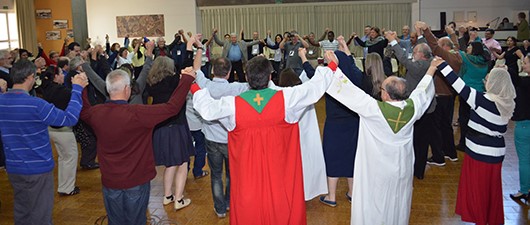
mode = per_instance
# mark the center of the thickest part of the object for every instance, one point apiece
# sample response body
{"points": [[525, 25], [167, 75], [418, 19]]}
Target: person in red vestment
{"points": [[264, 144]]}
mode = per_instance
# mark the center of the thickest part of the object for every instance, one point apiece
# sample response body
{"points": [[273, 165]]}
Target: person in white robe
{"points": [[313, 164], [382, 187]]}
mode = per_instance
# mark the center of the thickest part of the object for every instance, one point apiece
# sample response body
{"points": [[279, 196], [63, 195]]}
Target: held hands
{"points": [[189, 71], [390, 36], [329, 56], [3, 85], [420, 25], [436, 61], [150, 45], [80, 79]]}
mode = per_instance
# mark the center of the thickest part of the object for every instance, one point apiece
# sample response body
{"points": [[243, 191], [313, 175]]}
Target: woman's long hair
{"points": [[374, 69]]}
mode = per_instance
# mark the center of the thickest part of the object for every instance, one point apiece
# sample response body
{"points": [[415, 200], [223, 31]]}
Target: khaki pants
{"points": [[66, 145]]}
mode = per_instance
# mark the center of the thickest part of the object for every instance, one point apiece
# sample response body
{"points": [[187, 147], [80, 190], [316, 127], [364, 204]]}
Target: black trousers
{"points": [[463, 118], [86, 138], [237, 66], [424, 135], [443, 119]]}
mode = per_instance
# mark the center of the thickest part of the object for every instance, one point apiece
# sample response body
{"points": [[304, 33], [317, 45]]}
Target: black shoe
{"points": [[519, 196], [90, 166], [74, 192], [431, 161]]}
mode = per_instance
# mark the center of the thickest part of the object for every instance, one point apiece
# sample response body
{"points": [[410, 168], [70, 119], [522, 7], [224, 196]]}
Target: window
{"points": [[8, 30]]}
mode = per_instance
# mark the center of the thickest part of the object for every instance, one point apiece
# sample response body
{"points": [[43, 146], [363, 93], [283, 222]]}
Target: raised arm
{"points": [[312, 42], [399, 53], [184, 39], [304, 43], [197, 61], [359, 41], [282, 44], [466, 92], [223, 109], [55, 117], [216, 39], [324, 35], [95, 79], [141, 80]]}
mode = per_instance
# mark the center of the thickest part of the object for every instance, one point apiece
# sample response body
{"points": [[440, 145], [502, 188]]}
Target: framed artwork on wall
{"points": [[43, 13], [140, 26], [53, 35], [60, 24]]}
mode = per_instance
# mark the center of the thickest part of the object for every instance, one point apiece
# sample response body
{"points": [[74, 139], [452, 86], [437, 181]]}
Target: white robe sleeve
{"points": [[351, 96], [422, 95], [223, 110], [297, 98]]}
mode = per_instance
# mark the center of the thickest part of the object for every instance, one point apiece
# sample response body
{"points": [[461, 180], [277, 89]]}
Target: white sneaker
{"points": [[220, 215], [168, 199], [179, 204]]}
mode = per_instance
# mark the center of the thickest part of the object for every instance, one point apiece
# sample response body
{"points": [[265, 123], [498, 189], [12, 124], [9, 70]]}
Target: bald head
{"points": [[445, 43], [394, 89]]}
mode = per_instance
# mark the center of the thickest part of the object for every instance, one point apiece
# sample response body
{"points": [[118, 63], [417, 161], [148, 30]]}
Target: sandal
{"points": [[327, 202], [204, 173], [73, 192]]}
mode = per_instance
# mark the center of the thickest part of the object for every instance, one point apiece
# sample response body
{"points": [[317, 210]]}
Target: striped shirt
{"points": [[327, 45], [24, 122], [484, 141]]}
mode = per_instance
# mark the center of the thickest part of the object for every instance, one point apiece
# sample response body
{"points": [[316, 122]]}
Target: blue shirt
{"points": [[24, 122], [234, 54]]}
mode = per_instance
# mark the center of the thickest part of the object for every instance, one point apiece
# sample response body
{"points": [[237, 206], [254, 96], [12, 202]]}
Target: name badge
{"points": [[178, 52], [291, 53], [255, 51]]}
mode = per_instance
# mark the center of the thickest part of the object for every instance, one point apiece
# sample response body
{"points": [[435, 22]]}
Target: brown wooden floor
{"points": [[433, 199]]}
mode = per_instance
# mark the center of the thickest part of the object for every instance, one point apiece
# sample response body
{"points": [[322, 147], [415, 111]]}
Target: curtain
{"points": [[342, 18], [27, 34]]}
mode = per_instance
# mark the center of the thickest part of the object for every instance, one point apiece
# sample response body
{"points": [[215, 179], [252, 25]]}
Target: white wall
{"points": [[487, 10], [101, 16]]}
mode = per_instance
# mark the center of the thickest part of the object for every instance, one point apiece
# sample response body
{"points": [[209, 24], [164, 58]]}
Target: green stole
{"points": [[396, 117], [258, 99]]}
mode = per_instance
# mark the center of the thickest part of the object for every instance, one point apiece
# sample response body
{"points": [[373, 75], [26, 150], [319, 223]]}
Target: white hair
{"points": [[4, 53], [117, 80]]}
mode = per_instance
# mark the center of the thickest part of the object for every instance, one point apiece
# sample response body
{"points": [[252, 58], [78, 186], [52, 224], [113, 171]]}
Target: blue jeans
{"points": [[127, 206], [217, 154], [200, 152], [522, 146]]}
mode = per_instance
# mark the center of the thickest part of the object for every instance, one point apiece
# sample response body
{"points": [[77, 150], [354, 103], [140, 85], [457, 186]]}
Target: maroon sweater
{"points": [[124, 133]]}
